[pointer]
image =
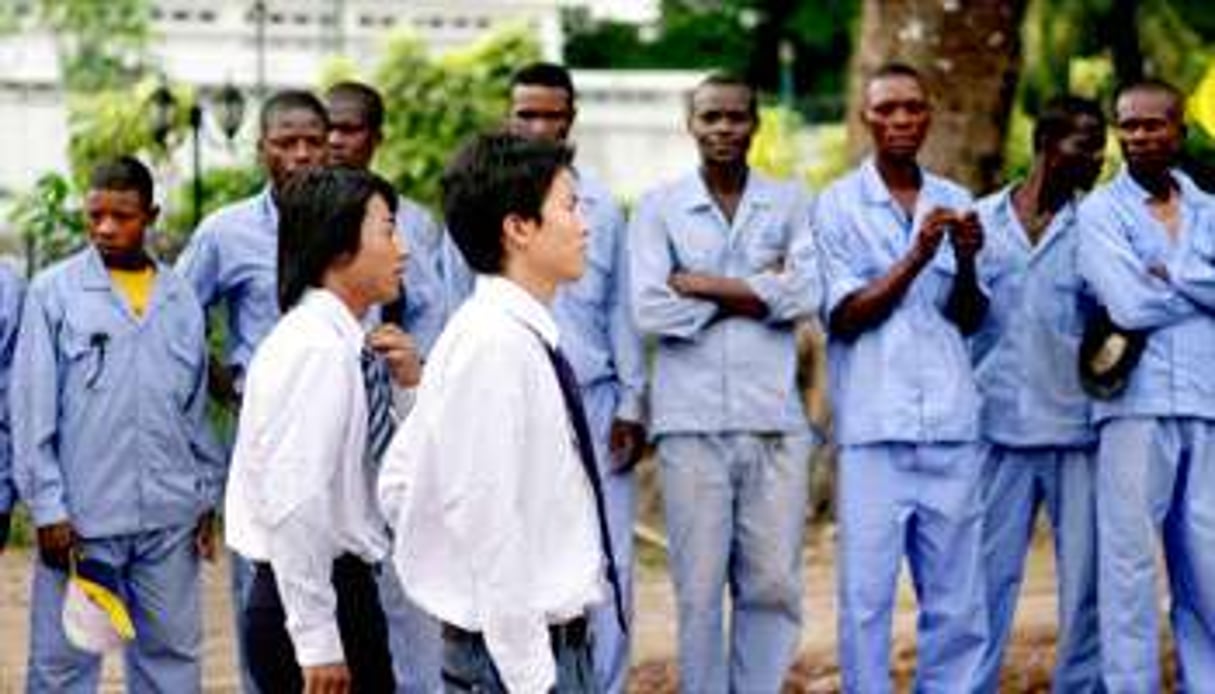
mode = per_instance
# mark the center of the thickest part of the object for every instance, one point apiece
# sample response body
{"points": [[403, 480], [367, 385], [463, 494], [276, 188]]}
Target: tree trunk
{"points": [[969, 52]]}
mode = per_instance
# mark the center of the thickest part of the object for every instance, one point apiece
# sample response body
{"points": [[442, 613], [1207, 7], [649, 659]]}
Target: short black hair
{"points": [[1058, 119], [897, 68], [124, 173], [370, 103], [542, 74], [726, 79], [291, 100], [491, 177], [320, 219], [1159, 86]]}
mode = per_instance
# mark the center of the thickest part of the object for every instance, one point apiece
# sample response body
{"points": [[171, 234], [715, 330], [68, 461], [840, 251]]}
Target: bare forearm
{"points": [[732, 296], [967, 305], [868, 307]]}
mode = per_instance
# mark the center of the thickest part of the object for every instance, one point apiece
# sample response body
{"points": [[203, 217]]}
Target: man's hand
{"points": [[327, 679], [627, 444], [56, 543], [932, 231], [966, 235], [5, 522], [400, 352], [689, 284], [204, 536], [221, 384]]}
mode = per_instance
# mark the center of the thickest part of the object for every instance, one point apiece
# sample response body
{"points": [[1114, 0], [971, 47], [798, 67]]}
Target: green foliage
{"points": [[49, 220], [784, 147], [739, 36], [101, 44], [433, 105], [114, 122]]}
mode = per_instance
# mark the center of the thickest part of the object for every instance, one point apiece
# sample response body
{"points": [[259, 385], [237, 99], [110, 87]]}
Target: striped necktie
{"points": [[380, 421]]}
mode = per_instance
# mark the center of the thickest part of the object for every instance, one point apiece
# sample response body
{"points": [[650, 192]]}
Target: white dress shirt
{"points": [[300, 491], [495, 518]]}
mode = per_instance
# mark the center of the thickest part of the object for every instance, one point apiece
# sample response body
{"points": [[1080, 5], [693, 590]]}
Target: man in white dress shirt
{"points": [[300, 504], [494, 467]]}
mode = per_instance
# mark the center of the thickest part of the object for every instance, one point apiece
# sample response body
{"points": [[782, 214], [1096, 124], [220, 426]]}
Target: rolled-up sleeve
{"points": [[838, 260], [657, 308], [1194, 272], [1135, 298], [793, 291]]}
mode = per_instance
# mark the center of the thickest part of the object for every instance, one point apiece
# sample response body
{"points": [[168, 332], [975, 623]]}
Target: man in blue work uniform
{"points": [[356, 117], [11, 291], [723, 264], [900, 300], [1035, 418], [1146, 247], [112, 451]]}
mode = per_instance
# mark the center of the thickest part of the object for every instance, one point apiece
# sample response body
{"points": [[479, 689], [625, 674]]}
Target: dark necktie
{"points": [[586, 452], [380, 422]]}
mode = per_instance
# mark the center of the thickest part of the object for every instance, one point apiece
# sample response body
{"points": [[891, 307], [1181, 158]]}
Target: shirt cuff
{"points": [[45, 514], [320, 644], [631, 407], [540, 679]]}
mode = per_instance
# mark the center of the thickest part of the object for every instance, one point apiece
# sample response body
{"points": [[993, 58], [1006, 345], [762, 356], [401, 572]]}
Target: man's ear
{"points": [[517, 231], [153, 213]]}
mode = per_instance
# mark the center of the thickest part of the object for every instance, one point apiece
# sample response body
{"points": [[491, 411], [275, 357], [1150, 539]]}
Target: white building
{"points": [[630, 124]]}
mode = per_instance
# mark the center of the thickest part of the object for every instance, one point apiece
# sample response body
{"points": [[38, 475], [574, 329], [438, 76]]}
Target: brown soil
{"points": [[1027, 668]]}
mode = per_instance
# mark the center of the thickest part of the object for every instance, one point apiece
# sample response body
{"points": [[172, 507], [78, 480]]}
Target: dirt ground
{"points": [[1027, 670]]}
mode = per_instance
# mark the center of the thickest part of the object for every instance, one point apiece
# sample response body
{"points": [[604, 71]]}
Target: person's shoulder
{"points": [[987, 205], [234, 217], [62, 272], [669, 193], [947, 189]]}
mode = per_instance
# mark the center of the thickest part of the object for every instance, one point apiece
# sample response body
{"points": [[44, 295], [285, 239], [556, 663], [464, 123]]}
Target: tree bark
{"points": [[969, 52]]}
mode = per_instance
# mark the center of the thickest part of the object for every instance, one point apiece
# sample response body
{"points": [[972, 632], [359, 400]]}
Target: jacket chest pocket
{"points": [[766, 247]]}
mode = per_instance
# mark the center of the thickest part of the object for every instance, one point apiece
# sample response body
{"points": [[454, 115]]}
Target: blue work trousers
{"points": [[160, 586], [1017, 482], [736, 515], [1156, 478], [922, 502]]}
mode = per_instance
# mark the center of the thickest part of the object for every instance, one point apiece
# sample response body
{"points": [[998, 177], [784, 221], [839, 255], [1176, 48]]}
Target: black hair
{"points": [[291, 100], [725, 79], [495, 175], [124, 173], [320, 219], [896, 68], [1058, 119], [543, 74], [369, 101], [1159, 86]]}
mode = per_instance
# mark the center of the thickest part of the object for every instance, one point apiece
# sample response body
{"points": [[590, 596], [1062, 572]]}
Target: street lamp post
{"points": [[229, 106]]}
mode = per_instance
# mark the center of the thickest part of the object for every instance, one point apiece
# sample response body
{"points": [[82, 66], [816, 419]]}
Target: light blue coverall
{"points": [[733, 438], [907, 424], [12, 290], [232, 261], [110, 434], [1156, 457], [598, 337], [1035, 422]]}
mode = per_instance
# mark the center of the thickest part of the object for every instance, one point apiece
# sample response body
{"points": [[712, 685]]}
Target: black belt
{"points": [[573, 634]]}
